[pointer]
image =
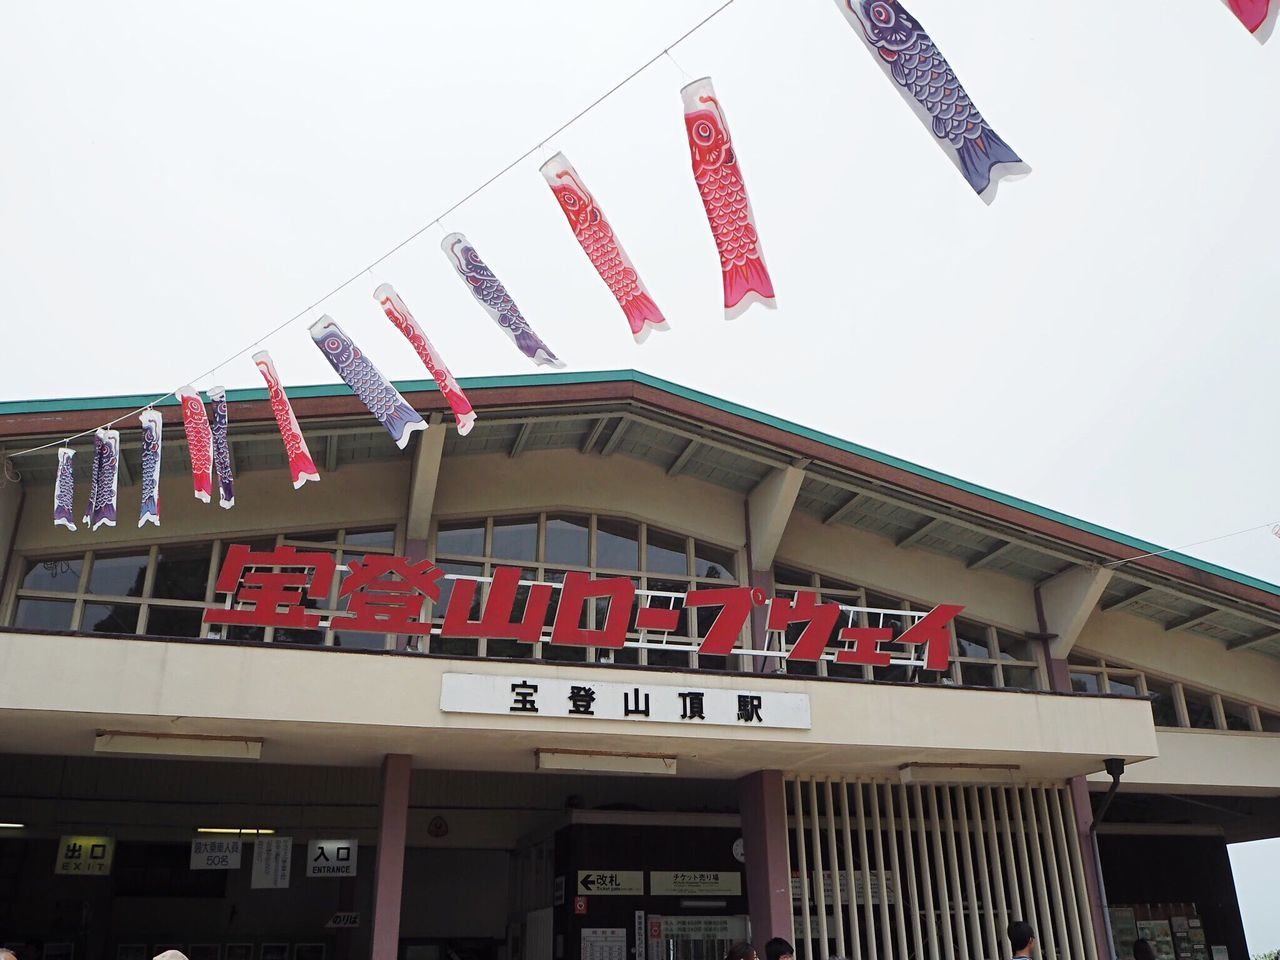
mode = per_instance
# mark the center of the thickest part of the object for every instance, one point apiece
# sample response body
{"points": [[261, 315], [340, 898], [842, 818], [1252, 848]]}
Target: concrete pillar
{"points": [[388, 882], [762, 804]]}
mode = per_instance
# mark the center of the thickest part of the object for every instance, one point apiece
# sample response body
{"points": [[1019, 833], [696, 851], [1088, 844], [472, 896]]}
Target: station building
{"points": [[1090, 741]]}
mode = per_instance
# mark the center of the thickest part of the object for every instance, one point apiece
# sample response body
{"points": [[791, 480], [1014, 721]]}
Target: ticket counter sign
{"points": [[215, 854], [694, 883], [611, 883], [85, 856]]}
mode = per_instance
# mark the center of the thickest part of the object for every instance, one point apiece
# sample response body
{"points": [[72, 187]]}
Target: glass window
{"points": [[971, 639], [515, 538], [1021, 678], [327, 537], [44, 614], [680, 587], [1239, 716], [182, 573], [568, 539], [60, 575], [120, 576], [978, 674], [371, 540], [355, 640], [1085, 682], [617, 544], [1124, 684], [173, 621], [1164, 710], [446, 588], [110, 618], [463, 538], [1200, 709], [791, 576], [1270, 721], [1013, 647], [1082, 660], [713, 563], [664, 553]]}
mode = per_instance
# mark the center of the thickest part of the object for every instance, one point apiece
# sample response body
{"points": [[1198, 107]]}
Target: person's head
{"points": [[171, 955], [741, 951], [779, 949], [1021, 937], [1142, 950], [7, 954]]}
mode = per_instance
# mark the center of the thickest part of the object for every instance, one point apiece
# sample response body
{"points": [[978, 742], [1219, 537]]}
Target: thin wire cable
{"points": [[1186, 546], [664, 52]]}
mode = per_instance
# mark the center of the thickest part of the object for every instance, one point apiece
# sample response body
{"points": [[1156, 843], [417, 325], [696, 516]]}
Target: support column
{"points": [[1079, 787], [388, 880], [421, 505], [768, 510], [763, 807]]}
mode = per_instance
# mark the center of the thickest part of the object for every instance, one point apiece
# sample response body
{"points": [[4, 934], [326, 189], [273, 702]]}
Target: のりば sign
{"points": [[386, 594]]}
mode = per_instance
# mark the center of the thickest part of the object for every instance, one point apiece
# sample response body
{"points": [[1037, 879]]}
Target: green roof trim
{"points": [[21, 407]]}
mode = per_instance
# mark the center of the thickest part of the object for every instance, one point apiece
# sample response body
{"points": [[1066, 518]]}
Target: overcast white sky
{"points": [[181, 177]]}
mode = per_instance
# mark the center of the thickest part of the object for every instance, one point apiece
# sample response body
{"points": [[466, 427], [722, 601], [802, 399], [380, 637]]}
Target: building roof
{"points": [[693, 433]]}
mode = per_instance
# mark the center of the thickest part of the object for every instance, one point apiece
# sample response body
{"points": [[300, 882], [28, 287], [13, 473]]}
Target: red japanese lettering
{"points": [[866, 646], [735, 608], [386, 595], [931, 631], [496, 619], [819, 620], [578, 589], [273, 599]]}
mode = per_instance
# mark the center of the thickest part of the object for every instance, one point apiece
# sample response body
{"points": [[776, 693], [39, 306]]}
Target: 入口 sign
{"points": [[332, 858], [693, 883], [686, 704], [215, 854], [85, 856], [615, 883]]}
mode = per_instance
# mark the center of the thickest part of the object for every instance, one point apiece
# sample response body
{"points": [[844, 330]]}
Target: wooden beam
{"points": [[846, 508], [920, 532], [594, 435], [615, 438], [1252, 641], [1186, 623], [1124, 602], [681, 460], [992, 555], [522, 439]]}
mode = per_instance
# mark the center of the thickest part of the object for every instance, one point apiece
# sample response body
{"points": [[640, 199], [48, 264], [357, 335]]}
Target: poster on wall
{"points": [[604, 943], [1160, 936], [271, 863], [1124, 930]]}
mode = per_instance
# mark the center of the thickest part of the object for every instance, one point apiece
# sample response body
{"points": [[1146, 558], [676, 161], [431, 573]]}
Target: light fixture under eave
{"points": [[238, 831], [965, 773], [13, 826], [178, 745], [590, 761]]}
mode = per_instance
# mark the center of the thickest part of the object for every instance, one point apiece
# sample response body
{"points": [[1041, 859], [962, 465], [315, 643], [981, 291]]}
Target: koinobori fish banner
{"points": [[301, 466], [221, 448], [602, 248], [106, 477], [718, 173], [1252, 13], [492, 295], [152, 438], [374, 390], [403, 321], [199, 441], [929, 84], [64, 490]]}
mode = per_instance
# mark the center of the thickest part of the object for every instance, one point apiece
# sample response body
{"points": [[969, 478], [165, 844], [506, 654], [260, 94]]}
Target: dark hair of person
{"points": [[1142, 950], [1020, 934], [741, 951], [777, 948]]}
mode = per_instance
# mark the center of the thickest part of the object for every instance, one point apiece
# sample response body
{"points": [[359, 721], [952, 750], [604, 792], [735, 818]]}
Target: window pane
{"points": [[827, 583], [446, 589], [712, 562], [328, 537], [680, 587], [1014, 647], [678, 658], [377, 539], [311, 638], [240, 632], [109, 618], [507, 649], [1081, 660], [971, 639], [977, 674], [1085, 683], [891, 621], [455, 646], [1124, 684], [1164, 712], [1270, 722], [460, 538], [664, 553], [355, 640], [515, 538], [564, 653], [182, 573], [1021, 678], [791, 576], [1200, 710], [173, 622], [60, 575], [567, 540], [44, 614], [708, 662], [1239, 716], [119, 576], [617, 544]]}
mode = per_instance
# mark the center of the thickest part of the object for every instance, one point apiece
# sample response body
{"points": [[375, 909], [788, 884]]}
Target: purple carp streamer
{"points": [[492, 295], [374, 390], [222, 449], [152, 436], [920, 70], [64, 490], [106, 478]]}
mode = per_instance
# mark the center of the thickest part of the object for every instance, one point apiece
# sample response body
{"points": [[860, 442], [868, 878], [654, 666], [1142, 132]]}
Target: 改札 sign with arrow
{"points": [[610, 883]]}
